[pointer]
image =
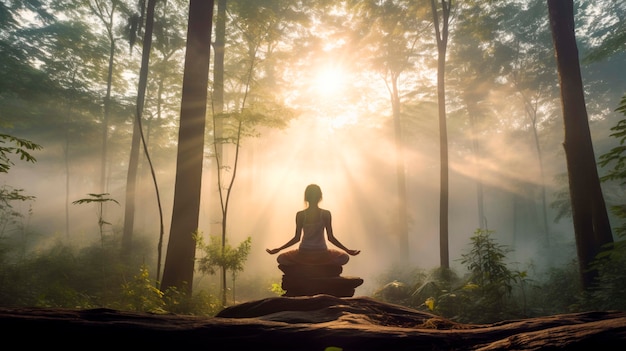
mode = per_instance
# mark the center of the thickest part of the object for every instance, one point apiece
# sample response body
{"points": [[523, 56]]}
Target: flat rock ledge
{"points": [[306, 323]]}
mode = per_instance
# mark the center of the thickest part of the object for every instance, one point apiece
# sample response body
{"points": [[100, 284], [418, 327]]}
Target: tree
{"points": [[490, 280], [261, 24], [179, 261], [393, 60], [394, 31], [133, 163], [217, 105], [163, 89], [219, 255], [70, 58], [611, 280], [21, 148], [441, 35], [106, 13], [591, 223], [533, 81], [486, 62]]}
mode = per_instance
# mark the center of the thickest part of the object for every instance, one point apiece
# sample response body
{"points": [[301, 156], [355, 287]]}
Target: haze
{"points": [[342, 138]]}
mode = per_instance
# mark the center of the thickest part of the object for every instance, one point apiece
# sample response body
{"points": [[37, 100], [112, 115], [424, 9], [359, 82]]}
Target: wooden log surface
{"points": [[306, 323]]}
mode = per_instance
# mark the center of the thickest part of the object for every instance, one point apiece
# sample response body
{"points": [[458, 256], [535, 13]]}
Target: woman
{"points": [[310, 225]]}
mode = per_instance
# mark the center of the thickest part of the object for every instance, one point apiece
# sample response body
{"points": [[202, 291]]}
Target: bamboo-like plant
{"points": [[99, 200]]}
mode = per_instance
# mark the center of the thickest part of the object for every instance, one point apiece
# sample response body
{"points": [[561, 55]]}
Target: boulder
{"points": [[309, 280], [334, 286], [312, 271]]}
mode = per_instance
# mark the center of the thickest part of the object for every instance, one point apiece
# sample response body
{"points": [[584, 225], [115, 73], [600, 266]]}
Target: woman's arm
{"points": [[331, 236], [296, 237]]}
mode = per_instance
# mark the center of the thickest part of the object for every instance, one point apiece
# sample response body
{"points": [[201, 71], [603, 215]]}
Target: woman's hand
{"points": [[272, 251], [353, 252]]}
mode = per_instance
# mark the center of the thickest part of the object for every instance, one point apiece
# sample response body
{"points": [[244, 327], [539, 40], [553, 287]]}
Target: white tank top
{"points": [[313, 237]]}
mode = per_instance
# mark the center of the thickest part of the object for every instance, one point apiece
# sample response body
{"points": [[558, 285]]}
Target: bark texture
{"points": [[308, 323]]}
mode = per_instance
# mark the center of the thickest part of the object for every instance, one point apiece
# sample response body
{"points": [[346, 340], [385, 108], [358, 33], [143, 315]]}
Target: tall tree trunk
{"points": [[66, 152], [441, 35], [218, 220], [105, 11], [131, 184], [591, 224], [133, 163], [66, 164], [179, 261], [105, 120]]}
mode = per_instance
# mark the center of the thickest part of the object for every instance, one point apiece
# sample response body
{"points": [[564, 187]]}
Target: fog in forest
{"points": [[354, 165], [341, 137]]}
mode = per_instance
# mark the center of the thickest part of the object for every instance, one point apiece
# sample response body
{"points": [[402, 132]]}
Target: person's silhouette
{"points": [[310, 226]]}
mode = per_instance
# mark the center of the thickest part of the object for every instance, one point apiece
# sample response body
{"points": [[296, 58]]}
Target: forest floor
{"points": [[320, 322]]}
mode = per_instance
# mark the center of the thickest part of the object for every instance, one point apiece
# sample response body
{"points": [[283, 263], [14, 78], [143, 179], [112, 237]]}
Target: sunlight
{"points": [[347, 118], [330, 81]]}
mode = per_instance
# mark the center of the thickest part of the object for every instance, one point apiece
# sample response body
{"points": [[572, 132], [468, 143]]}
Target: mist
{"points": [[338, 134], [354, 165]]}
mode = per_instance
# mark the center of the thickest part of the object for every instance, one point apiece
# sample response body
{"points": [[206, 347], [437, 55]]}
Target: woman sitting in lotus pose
{"points": [[310, 225]]}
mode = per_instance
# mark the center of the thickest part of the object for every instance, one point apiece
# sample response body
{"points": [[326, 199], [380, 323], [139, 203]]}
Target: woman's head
{"points": [[312, 194]]}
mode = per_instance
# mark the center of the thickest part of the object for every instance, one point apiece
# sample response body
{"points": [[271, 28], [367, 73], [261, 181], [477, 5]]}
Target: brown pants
{"points": [[313, 257]]}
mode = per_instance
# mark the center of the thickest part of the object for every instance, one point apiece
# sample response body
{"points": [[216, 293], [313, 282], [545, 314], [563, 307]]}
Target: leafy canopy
{"points": [[21, 148]]}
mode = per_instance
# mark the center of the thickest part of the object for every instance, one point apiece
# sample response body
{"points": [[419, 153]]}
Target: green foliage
{"points": [[95, 198], [9, 216], [200, 303], [396, 292], [93, 276], [491, 291], [614, 41], [21, 149], [617, 157], [140, 294], [222, 256], [56, 277], [415, 288], [610, 288], [437, 293], [397, 284], [277, 289], [486, 265], [490, 281], [558, 291], [486, 294]]}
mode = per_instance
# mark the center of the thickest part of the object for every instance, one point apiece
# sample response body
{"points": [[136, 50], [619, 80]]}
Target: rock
{"points": [[314, 279], [335, 286], [306, 324], [312, 271]]}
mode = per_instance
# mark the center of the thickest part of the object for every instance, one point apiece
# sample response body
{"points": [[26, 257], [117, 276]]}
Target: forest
{"points": [[150, 150]]}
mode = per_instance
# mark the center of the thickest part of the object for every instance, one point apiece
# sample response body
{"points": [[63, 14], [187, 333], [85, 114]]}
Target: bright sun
{"points": [[329, 81], [331, 85]]}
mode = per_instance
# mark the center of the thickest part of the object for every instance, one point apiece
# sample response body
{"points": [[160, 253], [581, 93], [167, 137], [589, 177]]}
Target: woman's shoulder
{"points": [[325, 213]]}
